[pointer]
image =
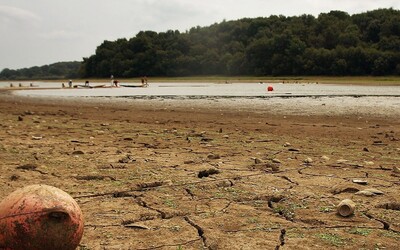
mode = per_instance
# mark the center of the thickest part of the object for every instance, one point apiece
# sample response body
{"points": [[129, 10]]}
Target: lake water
{"points": [[201, 90]]}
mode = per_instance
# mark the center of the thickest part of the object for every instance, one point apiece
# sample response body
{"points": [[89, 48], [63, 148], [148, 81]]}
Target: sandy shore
{"points": [[134, 167], [374, 106]]}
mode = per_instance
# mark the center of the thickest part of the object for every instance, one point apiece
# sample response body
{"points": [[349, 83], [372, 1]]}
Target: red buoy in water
{"points": [[270, 88], [40, 217]]}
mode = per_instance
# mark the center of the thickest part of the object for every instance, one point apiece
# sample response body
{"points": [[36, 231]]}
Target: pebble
{"points": [[214, 156], [374, 190], [308, 160], [365, 193], [361, 182], [325, 158], [257, 161], [78, 152], [396, 170], [276, 160], [369, 163], [370, 192], [287, 144]]}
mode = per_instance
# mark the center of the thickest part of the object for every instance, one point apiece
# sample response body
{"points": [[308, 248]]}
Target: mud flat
{"points": [[212, 173]]}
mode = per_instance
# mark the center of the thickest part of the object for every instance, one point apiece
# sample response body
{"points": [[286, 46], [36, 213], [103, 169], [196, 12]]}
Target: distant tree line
{"points": [[60, 70], [333, 43]]}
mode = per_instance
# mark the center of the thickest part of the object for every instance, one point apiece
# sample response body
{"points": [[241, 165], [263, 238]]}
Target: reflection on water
{"points": [[211, 89]]}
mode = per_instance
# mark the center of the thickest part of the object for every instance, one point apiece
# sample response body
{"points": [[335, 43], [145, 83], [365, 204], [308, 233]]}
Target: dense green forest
{"points": [[60, 70], [332, 44]]}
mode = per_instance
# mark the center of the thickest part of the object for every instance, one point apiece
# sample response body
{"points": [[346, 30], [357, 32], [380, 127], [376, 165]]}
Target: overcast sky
{"points": [[39, 32]]}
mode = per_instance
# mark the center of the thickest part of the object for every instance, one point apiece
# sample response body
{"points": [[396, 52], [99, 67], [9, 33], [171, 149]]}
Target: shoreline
{"points": [[370, 106]]}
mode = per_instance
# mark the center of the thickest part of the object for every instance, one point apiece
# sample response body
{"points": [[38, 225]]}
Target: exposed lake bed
{"points": [[150, 171]]}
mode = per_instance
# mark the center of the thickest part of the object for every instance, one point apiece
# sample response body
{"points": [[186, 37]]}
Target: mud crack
{"points": [[386, 225], [200, 231], [142, 203], [189, 192], [281, 239]]}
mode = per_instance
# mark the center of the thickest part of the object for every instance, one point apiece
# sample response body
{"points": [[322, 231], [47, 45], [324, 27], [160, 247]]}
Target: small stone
{"points": [[226, 136], [369, 163], [167, 183], [396, 170], [257, 161], [214, 156], [127, 159], [374, 190], [275, 168], [78, 152], [276, 160], [365, 193], [188, 162], [308, 160], [287, 144], [325, 158], [37, 138], [361, 182]]}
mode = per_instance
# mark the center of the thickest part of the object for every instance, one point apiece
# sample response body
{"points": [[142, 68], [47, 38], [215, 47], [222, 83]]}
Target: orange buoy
{"points": [[270, 88], [40, 217]]}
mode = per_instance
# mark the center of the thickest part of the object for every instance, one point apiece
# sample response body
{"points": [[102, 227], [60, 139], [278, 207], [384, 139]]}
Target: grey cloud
{"points": [[16, 16], [37, 32]]}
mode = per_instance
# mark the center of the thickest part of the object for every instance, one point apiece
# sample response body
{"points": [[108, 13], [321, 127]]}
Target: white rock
{"points": [[308, 160], [325, 158], [365, 193]]}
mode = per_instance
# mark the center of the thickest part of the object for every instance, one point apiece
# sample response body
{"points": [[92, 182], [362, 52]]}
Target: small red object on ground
{"points": [[270, 88], [40, 217]]}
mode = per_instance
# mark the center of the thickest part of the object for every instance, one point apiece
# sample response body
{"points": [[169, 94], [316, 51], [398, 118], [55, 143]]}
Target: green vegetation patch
{"points": [[332, 239], [360, 231]]}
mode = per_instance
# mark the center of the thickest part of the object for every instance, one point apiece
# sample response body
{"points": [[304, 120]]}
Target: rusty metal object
{"points": [[40, 217]]}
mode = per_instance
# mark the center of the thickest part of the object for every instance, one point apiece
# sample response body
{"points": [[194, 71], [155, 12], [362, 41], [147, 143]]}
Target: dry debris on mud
{"points": [[150, 178]]}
